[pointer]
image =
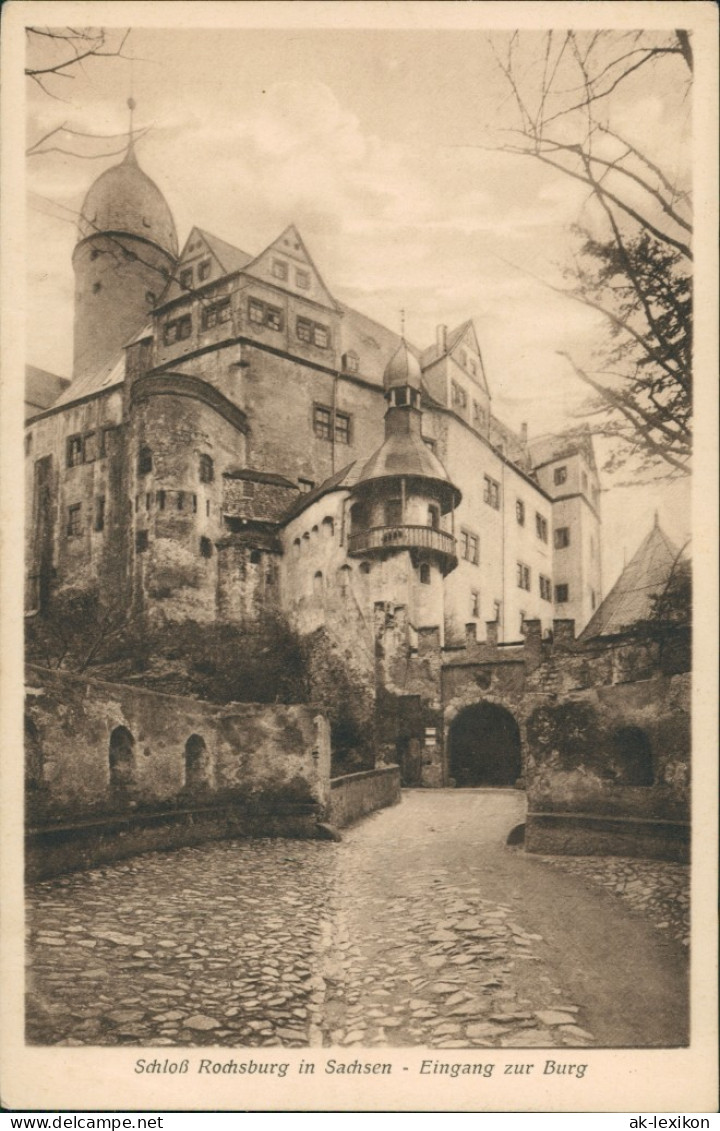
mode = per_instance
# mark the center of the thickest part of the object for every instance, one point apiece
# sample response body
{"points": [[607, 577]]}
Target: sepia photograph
{"points": [[358, 547]]}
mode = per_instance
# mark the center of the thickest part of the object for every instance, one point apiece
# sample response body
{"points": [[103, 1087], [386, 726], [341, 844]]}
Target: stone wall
{"points": [[355, 795], [99, 753]]}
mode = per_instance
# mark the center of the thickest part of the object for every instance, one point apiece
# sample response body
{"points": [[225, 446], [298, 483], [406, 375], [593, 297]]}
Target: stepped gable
{"points": [[631, 598]]}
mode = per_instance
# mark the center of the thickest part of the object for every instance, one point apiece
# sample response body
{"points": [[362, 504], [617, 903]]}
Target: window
{"points": [[256, 557], [148, 501], [459, 396], [474, 602], [207, 469], [631, 757], [279, 269], [177, 329], [593, 599], [160, 500], [144, 461], [197, 762], [560, 475], [121, 758], [216, 313], [541, 527], [433, 519], [479, 415], [306, 485], [393, 512], [180, 500], [318, 583], [469, 546], [141, 541], [262, 314], [432, 444], [323, 424], [328, 527], [562, 537], [351, 362], [545, 588], [150, 298], [74, 523], [74, 451], [248, 489], [204, 270], [562, 594], [302, 279], [194, 504], [90, 447], [207, 507], [344, 574], [96, 288], [95, 253], [520, 512], [425, 577], [523, 576], [205, 547], [313, 333], [491, 493], [186, 278]]}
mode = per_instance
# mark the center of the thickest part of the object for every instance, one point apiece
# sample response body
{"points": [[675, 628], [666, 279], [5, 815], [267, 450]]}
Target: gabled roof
{"points": [[344, 478], [561, 445], [225, 260], [289, 244], [631, 598], [230, 258]]}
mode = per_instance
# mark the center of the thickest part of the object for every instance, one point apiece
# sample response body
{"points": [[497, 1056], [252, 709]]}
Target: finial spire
{"points": [[402, 323], [130, 155], [657, 518]]}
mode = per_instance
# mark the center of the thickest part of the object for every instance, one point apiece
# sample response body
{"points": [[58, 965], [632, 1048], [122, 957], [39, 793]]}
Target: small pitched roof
{"points": [[99, 381], [560, 445], [42, 389], [290, 245], [631, 598], [229, 257], [343, 479]]}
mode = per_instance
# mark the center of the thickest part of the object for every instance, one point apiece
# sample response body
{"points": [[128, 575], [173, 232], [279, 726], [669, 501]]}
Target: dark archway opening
{"points": [[485, 747], [122, 758], [632, 761], [197, 762]]}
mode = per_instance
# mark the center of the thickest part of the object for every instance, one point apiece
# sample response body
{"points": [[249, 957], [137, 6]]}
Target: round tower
{"points": [[126, 250], [402, 505]]}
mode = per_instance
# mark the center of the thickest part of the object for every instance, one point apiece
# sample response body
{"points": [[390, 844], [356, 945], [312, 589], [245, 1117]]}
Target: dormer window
{"points": [[279, 269]]}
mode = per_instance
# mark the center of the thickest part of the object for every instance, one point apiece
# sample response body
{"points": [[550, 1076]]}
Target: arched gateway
{"points": [[485, 746]]}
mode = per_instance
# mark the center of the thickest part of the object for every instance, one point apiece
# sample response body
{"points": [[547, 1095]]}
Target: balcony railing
{"points": [[401, 537]]}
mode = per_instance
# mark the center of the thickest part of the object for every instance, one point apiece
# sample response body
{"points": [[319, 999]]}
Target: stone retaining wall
{"points": [[113, 769], [355, 795]]}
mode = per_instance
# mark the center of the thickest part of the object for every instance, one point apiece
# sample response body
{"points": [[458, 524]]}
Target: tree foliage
{"points": [[633, 253]]}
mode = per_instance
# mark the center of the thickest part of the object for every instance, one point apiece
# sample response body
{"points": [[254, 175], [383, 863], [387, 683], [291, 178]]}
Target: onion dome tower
{"points": [[126, 250], [403, 491]]}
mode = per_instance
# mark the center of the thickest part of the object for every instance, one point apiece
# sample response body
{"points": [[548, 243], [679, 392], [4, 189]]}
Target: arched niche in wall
{"points": [[197, 762], [122, 757], [632, 760]]}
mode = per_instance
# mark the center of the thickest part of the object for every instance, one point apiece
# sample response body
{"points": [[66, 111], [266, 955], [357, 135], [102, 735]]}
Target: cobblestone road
{"points": [[419, 929]]}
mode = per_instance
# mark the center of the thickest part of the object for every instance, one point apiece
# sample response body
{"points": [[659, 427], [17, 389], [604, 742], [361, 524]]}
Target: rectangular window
{"points": [[541, 527], [160, 500], [262, 314], [459, 396], [523, 576], [100, 513], [177, 329], [74, 523], [186, 279], [520, 512], [215, 313], [323, 419], [312, 332], [593, 599], [90, 447], [180, 500], [491, 493], [204, 270], [479, 415], [141, 541], [302, 279], [545, 588], [351, 362], [279, 269], [560, 475], [74, 451], [562, 594], [469, 546], [474, 603], [562, 537]]}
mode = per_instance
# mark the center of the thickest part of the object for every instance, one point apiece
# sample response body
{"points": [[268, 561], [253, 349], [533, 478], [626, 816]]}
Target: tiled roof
{"points": [[108, 377], [230, 258], [346, 477], [631, 598], [433, 353], [545, 449]]}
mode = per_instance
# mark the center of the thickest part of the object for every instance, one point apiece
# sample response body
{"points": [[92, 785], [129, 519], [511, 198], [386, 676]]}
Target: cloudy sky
{"points": [[378, 145]]}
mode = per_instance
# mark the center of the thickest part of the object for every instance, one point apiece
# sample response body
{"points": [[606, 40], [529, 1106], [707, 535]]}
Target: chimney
{"points": [[442, 339], [523, 432], [491, 632]]}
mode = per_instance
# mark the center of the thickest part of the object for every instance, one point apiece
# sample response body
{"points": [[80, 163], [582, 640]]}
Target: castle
{"points": [[235, 441]]}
